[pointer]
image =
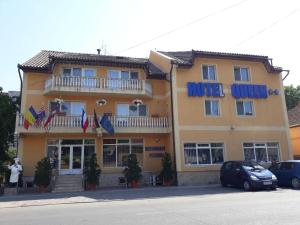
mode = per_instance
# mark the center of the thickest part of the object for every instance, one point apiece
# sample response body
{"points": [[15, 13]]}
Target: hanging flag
{"points": [[84, 121], [40, 116], [106, 124], [51, 115], [96, 124], [30, 117]]}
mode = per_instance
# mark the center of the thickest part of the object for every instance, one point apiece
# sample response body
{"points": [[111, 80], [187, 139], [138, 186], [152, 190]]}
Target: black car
{"points": [[287, 173], [247, 175]]}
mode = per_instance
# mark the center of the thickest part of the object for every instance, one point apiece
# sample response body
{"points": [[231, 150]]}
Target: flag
{"points": [[96, 124], [84, 121], [40, 116], [51, 115], [30, 117], [106, 124]]}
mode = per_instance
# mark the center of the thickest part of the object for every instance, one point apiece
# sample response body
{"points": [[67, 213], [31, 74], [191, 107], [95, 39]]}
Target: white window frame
{"points": [[196, 148], [219, 108], [240, 68], [263, 145], [60, 106], [82, 71], [120, 72], [208, 75], [128, 110], [244, 115], [130, 150]]}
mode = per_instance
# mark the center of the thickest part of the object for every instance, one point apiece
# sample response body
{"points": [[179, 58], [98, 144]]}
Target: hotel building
{"points": [[202, 107]]}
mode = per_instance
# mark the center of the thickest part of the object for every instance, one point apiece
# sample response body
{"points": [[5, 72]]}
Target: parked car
{"points": [[287, 173], [247, 175]]}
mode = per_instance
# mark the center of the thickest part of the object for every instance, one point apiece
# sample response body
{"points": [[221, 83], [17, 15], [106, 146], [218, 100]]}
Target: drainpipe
{"points": [[172, 115], [21, 86], [287, 73]]}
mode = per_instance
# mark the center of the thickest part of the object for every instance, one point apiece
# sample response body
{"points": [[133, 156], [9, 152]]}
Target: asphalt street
{"points": [[178, 205]]}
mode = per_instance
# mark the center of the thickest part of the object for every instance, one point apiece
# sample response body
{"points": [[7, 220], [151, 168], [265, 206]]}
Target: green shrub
{"points": [[92, 171], [42, 175], [167, 172], [133, 170]]}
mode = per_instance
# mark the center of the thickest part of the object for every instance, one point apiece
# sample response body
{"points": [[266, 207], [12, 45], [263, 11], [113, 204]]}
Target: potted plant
{"points": [[132, 171], [42, 175], [167, 172], [92, 173]]}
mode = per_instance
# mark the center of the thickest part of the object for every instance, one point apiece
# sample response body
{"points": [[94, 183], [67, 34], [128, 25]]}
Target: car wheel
{"points": [[247, 185], [295, 183]]}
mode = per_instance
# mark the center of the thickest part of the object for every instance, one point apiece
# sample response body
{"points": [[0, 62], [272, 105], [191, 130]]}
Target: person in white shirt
{"points": [[15, 170]]}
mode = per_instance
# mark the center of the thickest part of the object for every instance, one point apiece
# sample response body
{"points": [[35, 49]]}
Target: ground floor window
{"points": [[116, 151], [261, 152], [203, 153]]}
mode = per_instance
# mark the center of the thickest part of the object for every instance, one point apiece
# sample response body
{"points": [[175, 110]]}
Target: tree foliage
{"points": [[7, 123], [167, 172], [92, 171], [133, 170], [43, 171], [292, 96]]}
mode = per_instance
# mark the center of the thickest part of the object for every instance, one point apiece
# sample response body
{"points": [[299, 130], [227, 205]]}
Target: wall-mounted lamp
{"points": [[101, 102], [137, 102]]}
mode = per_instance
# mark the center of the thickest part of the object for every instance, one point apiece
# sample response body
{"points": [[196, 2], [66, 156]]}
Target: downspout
{"points": [[172, 115], [287, 73], [21, 89], [21, 86]]}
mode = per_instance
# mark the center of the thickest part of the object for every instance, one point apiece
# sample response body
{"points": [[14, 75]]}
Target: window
{"points": [[78, 72], [244, 108], [69, 108], [203, 153], [131, 110], [241, 74], [116, 151], [125, 75], [261, 152], [212, 108], [52, 152], [209, 72]]}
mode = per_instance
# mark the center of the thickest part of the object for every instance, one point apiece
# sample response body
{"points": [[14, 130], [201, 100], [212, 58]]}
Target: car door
{"points": [[275, 169], [226, 172], [286, 173], [237, 174]]}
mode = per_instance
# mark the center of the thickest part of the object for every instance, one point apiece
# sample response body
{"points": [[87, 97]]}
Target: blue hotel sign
{"points": [[237, 90]]}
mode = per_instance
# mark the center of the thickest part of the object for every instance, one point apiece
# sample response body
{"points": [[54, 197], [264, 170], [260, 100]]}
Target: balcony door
{"points": [[116, 78], [71, 159], [125, 111]]}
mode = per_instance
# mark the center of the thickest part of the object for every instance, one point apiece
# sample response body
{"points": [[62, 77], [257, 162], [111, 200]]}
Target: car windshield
{"points": [[252, 166]]}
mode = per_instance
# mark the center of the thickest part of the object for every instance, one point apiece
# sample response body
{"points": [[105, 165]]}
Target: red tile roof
{"points": [[294, 115]]}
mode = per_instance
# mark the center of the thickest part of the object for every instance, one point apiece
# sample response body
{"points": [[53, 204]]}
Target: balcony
{"points": [[96, 86], [72, 124]]}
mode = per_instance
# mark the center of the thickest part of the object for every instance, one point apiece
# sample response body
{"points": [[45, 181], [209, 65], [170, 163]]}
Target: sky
{"points": [[134, 27]]}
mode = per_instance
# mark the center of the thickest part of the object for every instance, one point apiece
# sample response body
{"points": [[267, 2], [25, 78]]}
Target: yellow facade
{"points": [[187, 122], [295, 138]]}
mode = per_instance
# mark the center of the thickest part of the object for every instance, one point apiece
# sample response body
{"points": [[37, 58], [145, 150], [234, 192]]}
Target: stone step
{"points": [[67, 190], [68, 183]]}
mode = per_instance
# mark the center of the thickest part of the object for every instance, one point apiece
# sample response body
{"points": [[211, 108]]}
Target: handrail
{"points": [[116, 121], [97, 82]]}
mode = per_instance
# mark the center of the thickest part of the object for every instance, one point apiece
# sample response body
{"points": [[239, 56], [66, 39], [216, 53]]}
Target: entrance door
{"points": [[71, 160]]}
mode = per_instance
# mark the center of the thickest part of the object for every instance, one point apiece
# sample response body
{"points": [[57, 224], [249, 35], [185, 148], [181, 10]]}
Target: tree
{"points": [[292, 96], [92, 171], [7, 123], [167, 172], [43, 172], [133, 170]]}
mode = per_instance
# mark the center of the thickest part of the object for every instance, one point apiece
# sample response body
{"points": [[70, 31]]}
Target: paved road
{"points": [[188, 205]]}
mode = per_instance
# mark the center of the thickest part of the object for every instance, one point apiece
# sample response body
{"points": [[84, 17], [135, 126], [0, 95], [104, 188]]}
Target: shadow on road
{"points": [[127, 194]]}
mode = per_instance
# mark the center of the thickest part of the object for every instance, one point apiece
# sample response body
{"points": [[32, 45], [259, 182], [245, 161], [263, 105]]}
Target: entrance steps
{"points": [[68, 183]]}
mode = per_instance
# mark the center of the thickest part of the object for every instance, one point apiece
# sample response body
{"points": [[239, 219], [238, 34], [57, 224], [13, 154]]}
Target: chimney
{"points": [[98, 50]]}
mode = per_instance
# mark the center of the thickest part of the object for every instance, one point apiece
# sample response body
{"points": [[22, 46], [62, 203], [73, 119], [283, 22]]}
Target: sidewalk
{"points": [[27, 200]]}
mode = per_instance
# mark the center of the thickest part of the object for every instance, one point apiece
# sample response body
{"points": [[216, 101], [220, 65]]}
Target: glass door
{"points": [[71, 160]]}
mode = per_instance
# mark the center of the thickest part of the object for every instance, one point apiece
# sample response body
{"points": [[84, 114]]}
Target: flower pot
{"points": [[167, 183], [134, 184], [90, 186], [41, 189]]}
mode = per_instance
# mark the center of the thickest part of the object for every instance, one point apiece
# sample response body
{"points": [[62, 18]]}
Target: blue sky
{"points": [[243, 26]]}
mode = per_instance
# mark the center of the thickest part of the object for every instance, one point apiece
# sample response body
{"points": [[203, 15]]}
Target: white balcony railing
{"points": [[97, 84], [116, 121]]}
